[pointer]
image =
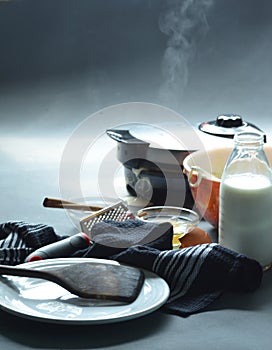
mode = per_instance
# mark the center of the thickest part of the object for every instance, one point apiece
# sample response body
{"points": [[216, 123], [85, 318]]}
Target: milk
{"points": [[245, 216]]}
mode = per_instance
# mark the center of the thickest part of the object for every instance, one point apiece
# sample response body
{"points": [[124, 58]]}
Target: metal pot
{"points": [[153, 156], [153, 173]]}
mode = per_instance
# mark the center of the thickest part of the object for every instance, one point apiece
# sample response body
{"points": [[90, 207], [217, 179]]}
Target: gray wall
{"points": [[65, 59]]}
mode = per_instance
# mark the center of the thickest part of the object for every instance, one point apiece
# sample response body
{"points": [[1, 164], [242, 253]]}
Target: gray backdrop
{"points": [[65, 59]]}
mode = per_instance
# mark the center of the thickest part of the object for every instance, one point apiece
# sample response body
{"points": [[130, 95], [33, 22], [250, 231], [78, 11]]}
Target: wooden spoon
{"points": [[62, 204], [89, 280]]}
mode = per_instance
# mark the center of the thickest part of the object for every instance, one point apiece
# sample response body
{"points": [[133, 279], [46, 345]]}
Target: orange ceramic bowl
{"points": [[204, 170]]}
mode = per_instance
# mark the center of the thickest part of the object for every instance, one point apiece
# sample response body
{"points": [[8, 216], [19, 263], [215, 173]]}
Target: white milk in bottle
{"points": [[245, 205]]}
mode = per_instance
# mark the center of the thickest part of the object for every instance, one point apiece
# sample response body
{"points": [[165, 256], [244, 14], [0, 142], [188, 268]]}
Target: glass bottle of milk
{"points": [[245, 204]]}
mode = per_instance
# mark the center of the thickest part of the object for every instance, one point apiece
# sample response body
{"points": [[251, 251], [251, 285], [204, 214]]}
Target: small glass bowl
{"points": [[182, 219]]}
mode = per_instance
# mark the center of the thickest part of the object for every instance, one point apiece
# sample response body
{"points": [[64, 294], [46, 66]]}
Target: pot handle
{"points": [[195, 171], [124, 136]]}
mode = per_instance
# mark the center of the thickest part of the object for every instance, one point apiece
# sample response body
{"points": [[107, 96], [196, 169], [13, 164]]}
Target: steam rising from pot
{"points": [[185, 23]]}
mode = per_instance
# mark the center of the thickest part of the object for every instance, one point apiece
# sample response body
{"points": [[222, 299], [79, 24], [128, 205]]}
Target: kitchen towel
{"points": [[18, 239], [196, 276]]}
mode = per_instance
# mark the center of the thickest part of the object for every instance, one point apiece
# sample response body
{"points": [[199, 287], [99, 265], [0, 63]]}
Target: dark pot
{"points": [[153, 174]]}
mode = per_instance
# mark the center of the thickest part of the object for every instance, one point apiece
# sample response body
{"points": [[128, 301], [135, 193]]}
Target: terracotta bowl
{"points": [[204, 170]]}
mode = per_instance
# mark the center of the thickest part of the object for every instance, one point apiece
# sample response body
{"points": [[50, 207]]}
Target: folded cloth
{"points": [[18, 239], [196, 275], [124, 234]]}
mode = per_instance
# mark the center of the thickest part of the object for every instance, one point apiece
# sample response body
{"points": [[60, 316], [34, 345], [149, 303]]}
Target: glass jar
{"points": [[245, 202]]}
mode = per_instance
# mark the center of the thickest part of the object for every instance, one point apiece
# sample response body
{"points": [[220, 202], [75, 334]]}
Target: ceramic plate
{"points": [[45, 301]]}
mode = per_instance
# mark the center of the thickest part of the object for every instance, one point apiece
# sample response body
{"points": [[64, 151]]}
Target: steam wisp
{"points": [[185, 23]]}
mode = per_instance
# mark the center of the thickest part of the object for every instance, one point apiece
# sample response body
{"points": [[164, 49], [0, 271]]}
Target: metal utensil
{"points": [[116, 212]]}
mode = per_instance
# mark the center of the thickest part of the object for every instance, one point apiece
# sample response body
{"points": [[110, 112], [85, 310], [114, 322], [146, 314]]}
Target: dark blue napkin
{"points": [[197, 275], [18, 239]]}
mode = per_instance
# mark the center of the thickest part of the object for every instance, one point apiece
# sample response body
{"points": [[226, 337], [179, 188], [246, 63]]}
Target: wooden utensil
{"points": [[89, 280], [62, 204]]}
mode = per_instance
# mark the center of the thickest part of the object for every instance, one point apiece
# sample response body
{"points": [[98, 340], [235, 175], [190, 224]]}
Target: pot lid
{"points": [[170, 136], [226, 125]]}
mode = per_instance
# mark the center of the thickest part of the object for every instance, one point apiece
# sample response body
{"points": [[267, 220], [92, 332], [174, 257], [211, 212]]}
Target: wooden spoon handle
{"points": [[17, 271], [44, 275], [62, 204]]}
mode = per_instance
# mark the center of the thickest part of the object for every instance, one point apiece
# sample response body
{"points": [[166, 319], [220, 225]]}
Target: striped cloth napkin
{"points": [[196, 276], [18, 239]]}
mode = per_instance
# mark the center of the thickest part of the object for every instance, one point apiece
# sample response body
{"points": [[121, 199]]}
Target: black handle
{"points": [[61, 249]]}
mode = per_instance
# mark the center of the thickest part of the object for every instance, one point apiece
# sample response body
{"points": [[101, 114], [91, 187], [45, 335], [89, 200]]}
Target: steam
{"points": [[185, 23]]}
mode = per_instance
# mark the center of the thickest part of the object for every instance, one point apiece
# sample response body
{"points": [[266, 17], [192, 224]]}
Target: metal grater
{"points": [[116, 212]]}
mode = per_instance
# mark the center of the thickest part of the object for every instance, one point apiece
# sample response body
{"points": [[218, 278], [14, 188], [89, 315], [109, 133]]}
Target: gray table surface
{"points": [[28, 173]]}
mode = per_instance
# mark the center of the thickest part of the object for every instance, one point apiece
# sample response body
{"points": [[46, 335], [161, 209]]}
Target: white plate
{"points": [[45, 301]]}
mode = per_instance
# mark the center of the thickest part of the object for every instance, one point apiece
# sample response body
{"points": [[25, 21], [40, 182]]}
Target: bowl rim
{"points": [[194, 218], [189, 169]]}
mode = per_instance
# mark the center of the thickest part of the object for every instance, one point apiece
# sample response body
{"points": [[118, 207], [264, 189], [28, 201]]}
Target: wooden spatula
{"points": [[89, 280]]}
